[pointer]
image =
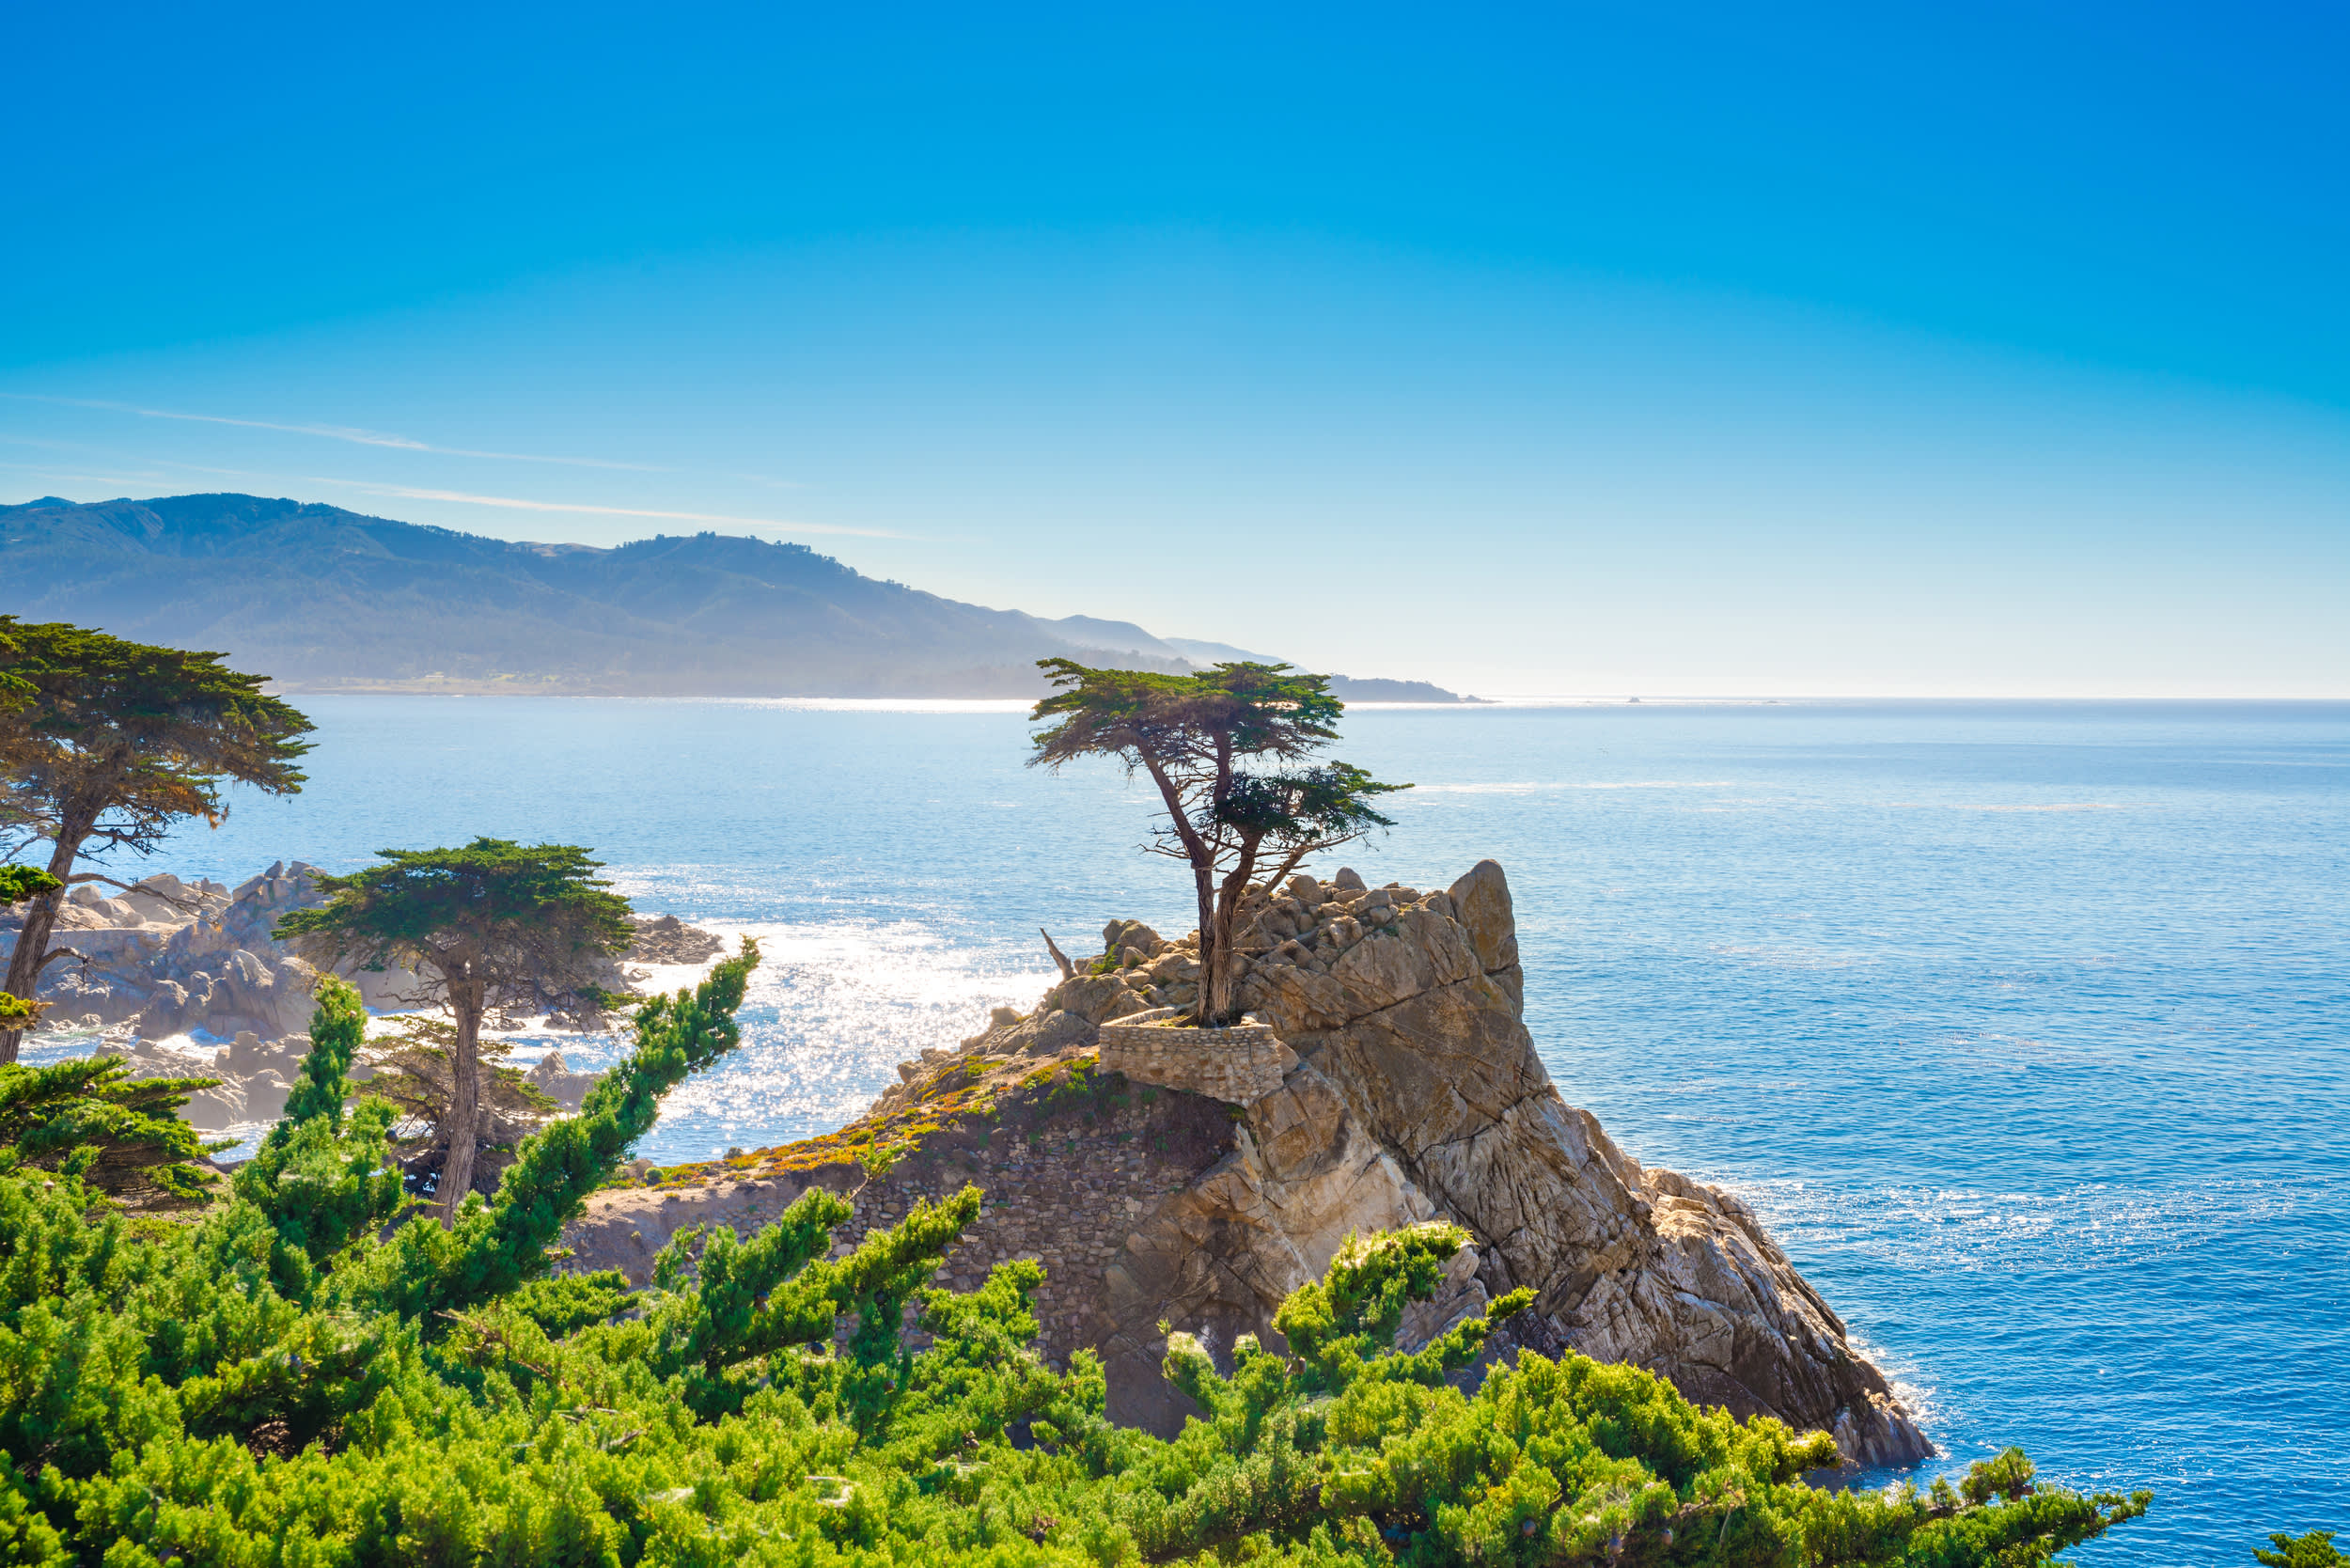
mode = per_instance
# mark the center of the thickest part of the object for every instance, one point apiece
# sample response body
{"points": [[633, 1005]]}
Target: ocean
{"points": [[2024, 1025]]}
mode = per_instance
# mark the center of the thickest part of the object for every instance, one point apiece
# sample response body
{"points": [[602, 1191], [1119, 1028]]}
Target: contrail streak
{"points": [[410, 492], [335, 432]]}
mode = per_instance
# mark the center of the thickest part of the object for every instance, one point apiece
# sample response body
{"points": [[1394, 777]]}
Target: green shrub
{"points": [[2314, 1550], [122, 1135]]}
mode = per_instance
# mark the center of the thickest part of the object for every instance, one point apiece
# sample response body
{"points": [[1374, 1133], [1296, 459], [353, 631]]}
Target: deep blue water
{"points": [[2024, 1025]]}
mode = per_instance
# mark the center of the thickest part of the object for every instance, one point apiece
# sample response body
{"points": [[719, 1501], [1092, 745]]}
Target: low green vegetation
{"points": [[2314, 1550], [293, 1378], [120, 1136]]}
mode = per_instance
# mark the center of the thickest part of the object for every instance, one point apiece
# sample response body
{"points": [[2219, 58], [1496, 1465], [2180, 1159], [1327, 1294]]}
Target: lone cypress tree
{"points": [[105, 744], [496, 927], [1195, 736]]}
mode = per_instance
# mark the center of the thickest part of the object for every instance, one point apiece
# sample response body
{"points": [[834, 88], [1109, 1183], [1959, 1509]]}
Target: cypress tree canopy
{"points": [[1204, 740], [103, 745], [125, 737], [500, 927], [532, 922]]}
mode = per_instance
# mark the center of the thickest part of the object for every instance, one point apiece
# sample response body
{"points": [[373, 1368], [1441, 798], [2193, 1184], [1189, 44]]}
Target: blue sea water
{"points": [[2024, 1025]]}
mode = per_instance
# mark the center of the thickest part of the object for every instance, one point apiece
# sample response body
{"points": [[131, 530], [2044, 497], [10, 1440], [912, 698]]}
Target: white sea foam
{"points": [[831, 1010]]}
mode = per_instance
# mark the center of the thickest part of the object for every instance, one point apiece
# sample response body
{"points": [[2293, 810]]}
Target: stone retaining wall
{"points": [[1240, 1064]]}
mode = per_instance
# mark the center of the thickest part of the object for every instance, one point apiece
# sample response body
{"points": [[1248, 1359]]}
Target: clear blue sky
{"points": [[1986, 348]]}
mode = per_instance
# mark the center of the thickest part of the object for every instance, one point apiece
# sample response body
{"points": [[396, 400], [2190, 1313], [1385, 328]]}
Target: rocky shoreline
{"points": [[1415, 1093], [168, 959]]}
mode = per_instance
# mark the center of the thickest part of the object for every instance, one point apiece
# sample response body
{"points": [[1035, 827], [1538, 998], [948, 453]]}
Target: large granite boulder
{"points": [[1219, 1255]]}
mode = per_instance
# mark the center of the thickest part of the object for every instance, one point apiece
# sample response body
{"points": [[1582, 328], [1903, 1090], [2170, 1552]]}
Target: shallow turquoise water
{"points": [[2025, 1025]]}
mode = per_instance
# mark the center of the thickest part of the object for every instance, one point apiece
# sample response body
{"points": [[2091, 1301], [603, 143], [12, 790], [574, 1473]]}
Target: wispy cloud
{"points": [[48, 473], [516, 503], [335, 432], [51, 475]]}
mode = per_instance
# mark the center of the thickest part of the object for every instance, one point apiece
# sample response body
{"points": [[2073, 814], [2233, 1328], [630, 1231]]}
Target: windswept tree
{"points": [[493, 928], [124, 1136], [1232, 751], [105, 744]]}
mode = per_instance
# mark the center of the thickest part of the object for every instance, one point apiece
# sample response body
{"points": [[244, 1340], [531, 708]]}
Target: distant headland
{"points": [[327, 599]]}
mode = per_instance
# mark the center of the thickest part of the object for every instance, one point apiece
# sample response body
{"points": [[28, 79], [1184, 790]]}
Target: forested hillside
{"points": [[321, 598]]}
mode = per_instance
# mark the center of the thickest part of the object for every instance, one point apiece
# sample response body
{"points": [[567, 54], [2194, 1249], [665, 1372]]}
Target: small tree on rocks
{"points": [[1229, 750], [496, 927]]}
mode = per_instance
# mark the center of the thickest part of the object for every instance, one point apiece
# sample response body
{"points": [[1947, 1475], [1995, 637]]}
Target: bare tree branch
{"points": [[194, 906]]}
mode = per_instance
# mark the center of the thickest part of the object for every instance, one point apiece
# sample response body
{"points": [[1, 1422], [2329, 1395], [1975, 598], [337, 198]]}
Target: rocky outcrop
{"points": [[170, 957], [170, 960], [1409, 1005], [667, 939], [552, 1076], [1241, 1064], [253, 1075], [1418, 1094]]}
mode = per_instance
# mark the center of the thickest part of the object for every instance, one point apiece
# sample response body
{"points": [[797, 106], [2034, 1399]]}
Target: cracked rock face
{"points": [[1420, 1095]]}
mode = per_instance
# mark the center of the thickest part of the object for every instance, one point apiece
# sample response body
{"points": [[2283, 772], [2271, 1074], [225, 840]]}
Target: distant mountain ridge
{"points": [[323, 599]]}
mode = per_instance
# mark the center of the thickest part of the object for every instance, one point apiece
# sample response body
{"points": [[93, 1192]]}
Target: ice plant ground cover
{"points": [[280, 1382]]}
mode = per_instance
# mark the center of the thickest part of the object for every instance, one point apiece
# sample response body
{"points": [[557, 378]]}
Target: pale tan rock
{"points": [[552, 1076], [1484, 909], [1222, 1253], [1097, 998], [667, 939], [1241, 1064]]}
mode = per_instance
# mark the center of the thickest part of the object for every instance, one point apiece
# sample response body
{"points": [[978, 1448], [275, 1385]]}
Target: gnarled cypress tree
{"points": [[1229, 750], [105, 744], [495, 927]]}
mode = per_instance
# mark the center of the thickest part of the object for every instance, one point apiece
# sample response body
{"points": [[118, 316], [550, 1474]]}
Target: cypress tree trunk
{"points": [[32, 937], [1224, 916], [467, 998], [1215, 997], [1212, 987]]}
